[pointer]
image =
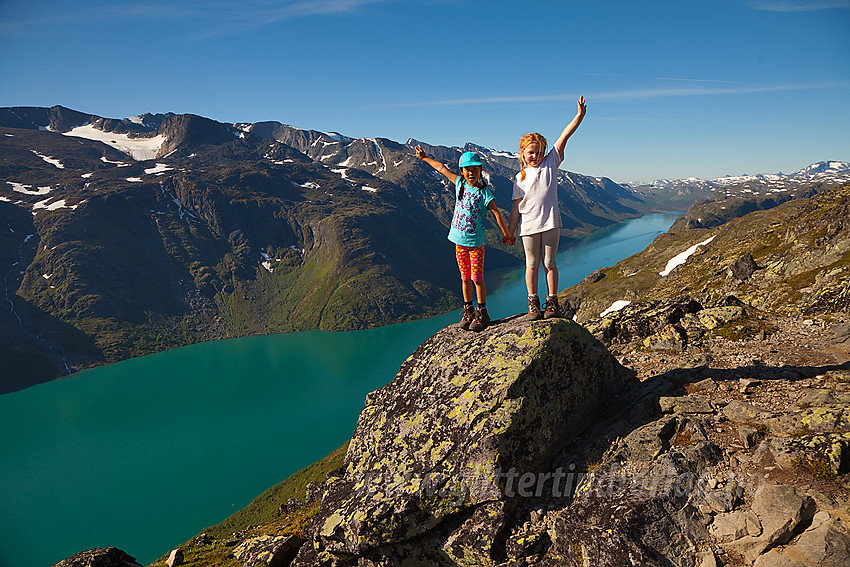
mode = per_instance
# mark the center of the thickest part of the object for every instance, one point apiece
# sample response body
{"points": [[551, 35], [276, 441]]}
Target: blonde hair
{"points": [[532, 138]]}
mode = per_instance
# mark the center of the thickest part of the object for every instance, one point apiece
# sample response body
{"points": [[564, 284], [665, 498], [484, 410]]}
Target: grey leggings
{"points": [[541, 242]]}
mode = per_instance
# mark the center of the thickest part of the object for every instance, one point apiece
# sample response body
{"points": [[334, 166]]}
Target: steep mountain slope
{"points": [[106, 257], [587, 203], [790, 260]]}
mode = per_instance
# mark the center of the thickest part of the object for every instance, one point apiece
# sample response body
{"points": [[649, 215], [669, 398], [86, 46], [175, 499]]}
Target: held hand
{"points": [[509, 240]]}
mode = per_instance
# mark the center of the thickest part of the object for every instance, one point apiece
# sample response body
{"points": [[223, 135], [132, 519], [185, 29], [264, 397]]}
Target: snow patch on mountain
{"points": [[616, 306], [266, 261], [52, 161], [383, 166], [158, 169], [118, 163], [338, 137], [27, 189], [140, 149], [55, 205], [680, 259]]}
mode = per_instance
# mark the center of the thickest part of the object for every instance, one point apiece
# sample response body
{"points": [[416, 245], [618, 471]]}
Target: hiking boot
{"points": [[534, 308], [482, 319], [551, 308], [467, 314]]}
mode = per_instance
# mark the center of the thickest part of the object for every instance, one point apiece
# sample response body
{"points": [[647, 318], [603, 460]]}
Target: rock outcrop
{"points": [[442, 456], [528, 444], [268, 551], [105, 557]]}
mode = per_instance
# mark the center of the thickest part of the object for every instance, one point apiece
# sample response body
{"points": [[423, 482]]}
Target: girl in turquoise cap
{"points": [[467, 232]]}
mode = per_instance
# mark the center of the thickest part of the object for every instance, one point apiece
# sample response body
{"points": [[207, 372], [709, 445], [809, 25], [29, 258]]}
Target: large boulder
{"points": [[826, 543], [268, 551], [781, 510], [469, 421], [644, 510], [101, 557]]}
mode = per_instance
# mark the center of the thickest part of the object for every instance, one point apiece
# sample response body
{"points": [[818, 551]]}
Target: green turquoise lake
{"points": [[145, 453]]}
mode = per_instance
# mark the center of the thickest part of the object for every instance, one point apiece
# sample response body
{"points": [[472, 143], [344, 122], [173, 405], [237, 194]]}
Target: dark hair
{"points": [[483, 182]]}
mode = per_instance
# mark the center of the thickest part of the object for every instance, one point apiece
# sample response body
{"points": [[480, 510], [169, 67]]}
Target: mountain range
{"points": [[129, 236], [802, 183]]}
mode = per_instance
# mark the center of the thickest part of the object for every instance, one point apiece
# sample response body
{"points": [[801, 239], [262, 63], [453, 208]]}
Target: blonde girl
{"points": [[536, 209]]}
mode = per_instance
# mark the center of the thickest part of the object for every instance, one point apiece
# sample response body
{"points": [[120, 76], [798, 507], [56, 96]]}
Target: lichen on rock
{"points": [[435, 445]]}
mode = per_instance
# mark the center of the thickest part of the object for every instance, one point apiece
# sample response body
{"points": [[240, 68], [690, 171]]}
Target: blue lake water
{"points": [[145, 453]]}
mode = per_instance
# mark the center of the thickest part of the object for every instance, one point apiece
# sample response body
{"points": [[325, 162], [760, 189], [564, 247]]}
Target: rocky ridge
{"points": [[729, 455], [792, 259]]}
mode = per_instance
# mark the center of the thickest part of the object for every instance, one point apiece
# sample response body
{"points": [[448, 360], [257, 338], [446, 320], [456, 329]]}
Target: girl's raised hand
{"points": [[419, 153], [582, 106]]}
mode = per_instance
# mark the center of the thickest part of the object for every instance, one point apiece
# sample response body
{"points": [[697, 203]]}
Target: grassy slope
{"points": [[795, 245], [260, 516]]}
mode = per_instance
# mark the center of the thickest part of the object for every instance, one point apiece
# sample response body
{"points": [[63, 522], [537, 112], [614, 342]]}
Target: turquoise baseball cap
{"points": [[468, 159]]}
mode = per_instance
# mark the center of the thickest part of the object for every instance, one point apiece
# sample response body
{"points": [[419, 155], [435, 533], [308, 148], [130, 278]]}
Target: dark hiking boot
{"points": [[551, 308], [482, 319], [467, 315], [534, 312]]}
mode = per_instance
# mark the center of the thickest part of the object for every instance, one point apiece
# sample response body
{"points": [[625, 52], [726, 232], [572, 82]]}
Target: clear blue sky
{"points": [[674, 88]]}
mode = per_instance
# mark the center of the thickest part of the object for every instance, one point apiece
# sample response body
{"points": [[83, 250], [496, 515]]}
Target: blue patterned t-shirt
{"points": [[468, 221]]}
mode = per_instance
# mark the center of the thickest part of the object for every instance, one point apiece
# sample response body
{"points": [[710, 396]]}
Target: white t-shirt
{"points": [[538, 194]]}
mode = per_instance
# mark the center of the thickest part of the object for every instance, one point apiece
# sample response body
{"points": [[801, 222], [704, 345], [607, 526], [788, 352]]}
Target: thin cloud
{"points": [[696, 80], [213, 18], [627, 95], [244, 17], [706, 91], [797, 6]]}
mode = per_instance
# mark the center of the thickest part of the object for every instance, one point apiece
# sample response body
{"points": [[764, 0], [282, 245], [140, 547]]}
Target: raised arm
{"points": [[436, 165], [561, 143]]}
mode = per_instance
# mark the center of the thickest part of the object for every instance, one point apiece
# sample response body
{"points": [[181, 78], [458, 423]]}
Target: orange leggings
{"points": [[471, 262]]}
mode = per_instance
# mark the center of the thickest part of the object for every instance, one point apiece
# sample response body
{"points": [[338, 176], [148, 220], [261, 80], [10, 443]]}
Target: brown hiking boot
{"points": [[534, 308], [467, 314], [551, 308], [482, 319]]}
